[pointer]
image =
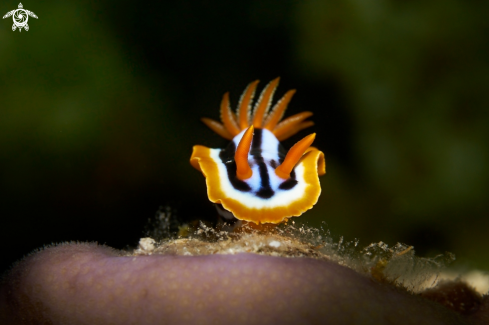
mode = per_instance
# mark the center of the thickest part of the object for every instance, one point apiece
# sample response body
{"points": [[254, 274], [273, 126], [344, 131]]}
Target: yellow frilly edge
{"points": [[314, 166]]}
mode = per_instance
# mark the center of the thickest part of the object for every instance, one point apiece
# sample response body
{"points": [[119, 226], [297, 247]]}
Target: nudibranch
{"points": [[254, 178]]}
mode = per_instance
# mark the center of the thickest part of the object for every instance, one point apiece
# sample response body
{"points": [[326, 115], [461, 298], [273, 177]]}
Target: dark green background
{"points": [[100, 105]]}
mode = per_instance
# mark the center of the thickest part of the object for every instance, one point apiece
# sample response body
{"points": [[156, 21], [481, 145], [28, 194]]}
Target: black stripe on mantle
{"points": [[265, 191]]}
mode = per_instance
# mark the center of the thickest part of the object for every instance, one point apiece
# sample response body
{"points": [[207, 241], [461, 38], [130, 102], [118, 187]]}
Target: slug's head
{"points": [[254, 178]]}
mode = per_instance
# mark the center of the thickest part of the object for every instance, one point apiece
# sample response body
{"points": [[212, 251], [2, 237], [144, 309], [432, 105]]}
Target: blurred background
{"points": [[100, 104]]}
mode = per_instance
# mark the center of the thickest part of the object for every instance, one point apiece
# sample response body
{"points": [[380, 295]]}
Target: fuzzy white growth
{"points": [[274, 243], [146, 244]]}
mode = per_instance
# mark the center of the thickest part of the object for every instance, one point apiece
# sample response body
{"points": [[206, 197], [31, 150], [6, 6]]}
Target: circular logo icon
{"points": [[20, 18]]}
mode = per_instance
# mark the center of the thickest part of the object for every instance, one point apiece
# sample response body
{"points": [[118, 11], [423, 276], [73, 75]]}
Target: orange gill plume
{"points": [[261, 116], [228, 117], [293, 156], [263, 103], [244, 107], [292, 125], [243, 169]]}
